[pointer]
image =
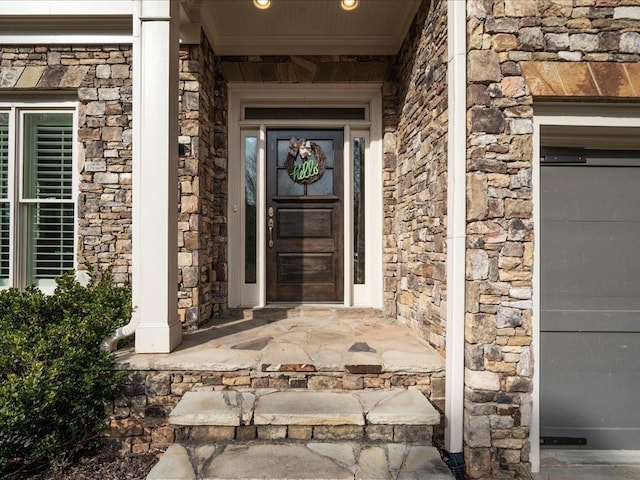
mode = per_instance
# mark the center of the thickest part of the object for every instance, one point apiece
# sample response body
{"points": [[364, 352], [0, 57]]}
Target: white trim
{"points": [[241, 95], [261, 266], [561, 114], [456, 226], [67, 7], [373, 275], [347, 216], [249, 292], [35, 39]]}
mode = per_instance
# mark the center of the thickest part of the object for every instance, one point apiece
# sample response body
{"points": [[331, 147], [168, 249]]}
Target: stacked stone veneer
{"points": [[518, 52], [139, 416], [201, 219], [100, 78], [415, 178]]}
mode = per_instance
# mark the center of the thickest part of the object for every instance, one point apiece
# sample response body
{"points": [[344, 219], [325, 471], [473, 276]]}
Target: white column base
{"points": [[158, 338]]}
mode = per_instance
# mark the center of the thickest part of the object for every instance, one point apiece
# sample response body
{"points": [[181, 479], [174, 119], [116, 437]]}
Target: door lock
{"points": [[271, 212]]}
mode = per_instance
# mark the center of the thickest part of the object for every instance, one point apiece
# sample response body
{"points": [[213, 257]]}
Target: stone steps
{"points": [[303, 434], [371, 415]]}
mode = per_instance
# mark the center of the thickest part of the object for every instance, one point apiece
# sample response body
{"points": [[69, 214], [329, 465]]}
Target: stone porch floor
{"points": [[304, 339]]}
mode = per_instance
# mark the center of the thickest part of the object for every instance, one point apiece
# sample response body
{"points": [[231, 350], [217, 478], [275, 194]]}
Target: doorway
{"points": [[305, 198], [305, 216]]}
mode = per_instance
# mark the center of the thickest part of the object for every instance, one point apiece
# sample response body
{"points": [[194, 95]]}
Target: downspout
{"points": [[110, 343], [456, 233]]}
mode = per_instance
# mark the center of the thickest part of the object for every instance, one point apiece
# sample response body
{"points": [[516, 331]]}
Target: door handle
{"points": [[270, 224]]}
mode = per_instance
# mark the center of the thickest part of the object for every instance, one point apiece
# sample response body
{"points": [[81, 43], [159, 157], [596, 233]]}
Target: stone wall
{"points": [[202, 287], [100, 78], [518, 48], [415, 219]]}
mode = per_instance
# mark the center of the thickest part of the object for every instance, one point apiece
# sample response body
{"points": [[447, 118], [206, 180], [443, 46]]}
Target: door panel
{"points": [[305, 223], [305, 216], [590, 304]]}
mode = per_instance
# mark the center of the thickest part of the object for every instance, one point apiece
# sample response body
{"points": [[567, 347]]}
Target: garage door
{"points": [[590, 299]]}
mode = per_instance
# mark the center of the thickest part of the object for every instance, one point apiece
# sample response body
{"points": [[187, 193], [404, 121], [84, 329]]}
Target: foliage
{"points": [[53, 377]]}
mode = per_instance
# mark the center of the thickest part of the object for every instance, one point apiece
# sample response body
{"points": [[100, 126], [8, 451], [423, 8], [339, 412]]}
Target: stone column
{"points": [[155, 175]]}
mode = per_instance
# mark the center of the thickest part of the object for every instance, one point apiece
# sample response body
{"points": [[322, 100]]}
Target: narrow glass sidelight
{"points": [[359, 209], [5, 205], [250, 208]]}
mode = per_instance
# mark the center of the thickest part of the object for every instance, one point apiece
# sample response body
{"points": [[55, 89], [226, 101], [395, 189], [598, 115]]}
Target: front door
{"points": [[304, 229]]}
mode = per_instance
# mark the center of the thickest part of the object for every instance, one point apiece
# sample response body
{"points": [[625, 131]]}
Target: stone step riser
{"points": [[204, 434]]}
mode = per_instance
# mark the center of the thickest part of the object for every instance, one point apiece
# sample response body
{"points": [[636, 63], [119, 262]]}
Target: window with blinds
{"points": [[47, 195], [36, 196]]}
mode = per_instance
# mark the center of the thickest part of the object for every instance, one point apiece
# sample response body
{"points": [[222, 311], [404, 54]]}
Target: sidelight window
{"points": [[250, 207], [359, 210]]}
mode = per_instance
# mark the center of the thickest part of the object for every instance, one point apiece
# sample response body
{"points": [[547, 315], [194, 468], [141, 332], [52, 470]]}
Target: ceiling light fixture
{"points": [[349, 4], [262, 4]]}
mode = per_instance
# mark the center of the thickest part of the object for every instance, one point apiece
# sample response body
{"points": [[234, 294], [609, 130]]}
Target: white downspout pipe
{"points": [[110, 343], [456, 224]]}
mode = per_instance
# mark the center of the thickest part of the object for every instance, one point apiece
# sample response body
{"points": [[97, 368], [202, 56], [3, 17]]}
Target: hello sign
{"points": [[306, 161]]}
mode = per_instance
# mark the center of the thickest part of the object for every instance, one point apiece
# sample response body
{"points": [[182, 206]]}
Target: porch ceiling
{"points": [[300, 27]]}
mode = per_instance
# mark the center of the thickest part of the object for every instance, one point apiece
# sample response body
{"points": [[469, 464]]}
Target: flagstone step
{"points": [[304, 407], [373, 415], [311, 460]]}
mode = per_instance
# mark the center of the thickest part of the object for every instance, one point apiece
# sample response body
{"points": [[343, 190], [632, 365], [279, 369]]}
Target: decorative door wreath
{"points": [[312, 164]]}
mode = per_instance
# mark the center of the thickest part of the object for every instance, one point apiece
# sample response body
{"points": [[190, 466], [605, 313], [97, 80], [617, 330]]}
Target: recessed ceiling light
{"points": [[349, 4], [262, 4]]}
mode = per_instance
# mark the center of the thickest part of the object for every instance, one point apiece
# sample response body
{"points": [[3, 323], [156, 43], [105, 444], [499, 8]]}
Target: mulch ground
{"points": [[106, 465]]}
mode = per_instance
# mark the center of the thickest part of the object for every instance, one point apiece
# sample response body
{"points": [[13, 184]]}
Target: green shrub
{"points": [[53, 377]]}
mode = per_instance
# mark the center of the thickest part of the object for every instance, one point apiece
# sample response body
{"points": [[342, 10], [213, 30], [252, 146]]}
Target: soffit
{"points": [[302, 27]]}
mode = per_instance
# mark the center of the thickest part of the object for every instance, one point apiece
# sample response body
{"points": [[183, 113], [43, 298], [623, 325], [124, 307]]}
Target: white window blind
{"points": [[47, 195]]}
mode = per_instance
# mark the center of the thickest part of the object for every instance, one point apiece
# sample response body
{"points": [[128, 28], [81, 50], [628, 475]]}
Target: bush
{"points": [[53, 377]]}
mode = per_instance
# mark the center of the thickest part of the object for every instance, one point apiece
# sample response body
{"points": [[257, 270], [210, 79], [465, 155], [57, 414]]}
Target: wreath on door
{"points": [[306, 161]]}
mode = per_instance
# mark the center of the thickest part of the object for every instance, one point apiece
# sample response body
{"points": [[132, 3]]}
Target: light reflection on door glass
{"points": [[250, 210], [359, 210]]}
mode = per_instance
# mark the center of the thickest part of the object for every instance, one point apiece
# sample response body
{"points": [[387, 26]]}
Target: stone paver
{"points": [[296, 339], [411, 362], [373, 465], [398, 407], [174, 465], [312, 460], [422, 463], [229, 408], [273, 461], [308, 408]]}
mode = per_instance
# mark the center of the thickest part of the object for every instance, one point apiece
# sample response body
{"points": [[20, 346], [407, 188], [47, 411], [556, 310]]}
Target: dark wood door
{"points": [[304, 216]]}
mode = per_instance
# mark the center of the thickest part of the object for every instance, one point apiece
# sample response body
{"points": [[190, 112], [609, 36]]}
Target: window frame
{"points": [[18, 202]]}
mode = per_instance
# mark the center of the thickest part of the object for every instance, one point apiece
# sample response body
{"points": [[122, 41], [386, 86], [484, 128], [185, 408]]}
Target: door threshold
{"points": [[303, 305]]}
